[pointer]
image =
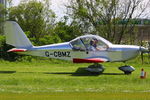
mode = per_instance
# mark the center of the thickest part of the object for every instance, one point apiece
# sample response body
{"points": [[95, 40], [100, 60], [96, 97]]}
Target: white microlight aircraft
{"points": [[83, 49]]}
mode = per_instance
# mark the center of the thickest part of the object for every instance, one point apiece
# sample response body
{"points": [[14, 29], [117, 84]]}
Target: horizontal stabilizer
{"points": [[17, 50]]}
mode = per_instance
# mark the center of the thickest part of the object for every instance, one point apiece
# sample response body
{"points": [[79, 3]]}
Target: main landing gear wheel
{"points": [[127, 69], [96, 68]]}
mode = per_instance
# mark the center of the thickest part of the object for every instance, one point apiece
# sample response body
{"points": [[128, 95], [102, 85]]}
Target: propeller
{"points": [[142, 59], [149, 51], [141, 47], [145, 50]]}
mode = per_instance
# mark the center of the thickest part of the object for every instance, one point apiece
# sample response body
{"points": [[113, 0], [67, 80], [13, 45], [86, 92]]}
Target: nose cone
{"points": [[130, 52], [143, 49]]}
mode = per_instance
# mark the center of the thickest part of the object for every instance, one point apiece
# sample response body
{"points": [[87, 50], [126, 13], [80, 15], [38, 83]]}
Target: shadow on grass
{"points": [[7, 72], [83, 72], [79, 72], [113, 74]]}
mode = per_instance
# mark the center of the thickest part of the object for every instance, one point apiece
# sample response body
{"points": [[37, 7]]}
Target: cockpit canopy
{"points": [[90, 43]]}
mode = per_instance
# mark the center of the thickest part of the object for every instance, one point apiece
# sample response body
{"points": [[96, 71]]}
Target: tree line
{"points": [[100, 17]]}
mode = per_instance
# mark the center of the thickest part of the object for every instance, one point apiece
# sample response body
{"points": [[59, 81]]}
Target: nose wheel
{"points": [[96, 68], [127, 69]]}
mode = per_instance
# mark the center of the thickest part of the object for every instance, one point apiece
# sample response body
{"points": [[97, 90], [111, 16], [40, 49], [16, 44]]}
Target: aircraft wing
{"points": [[90, 60]]}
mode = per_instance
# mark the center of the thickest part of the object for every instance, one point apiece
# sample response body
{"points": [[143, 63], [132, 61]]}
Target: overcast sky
{"points": [[59, 9], [57, 6]]}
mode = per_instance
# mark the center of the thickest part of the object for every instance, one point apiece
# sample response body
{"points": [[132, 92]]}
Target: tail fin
{"points": [[15, 35]]}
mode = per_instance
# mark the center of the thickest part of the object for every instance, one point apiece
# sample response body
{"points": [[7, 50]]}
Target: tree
{"points": [[103, 17], [2, 13], [36, 19], [66, 31]]}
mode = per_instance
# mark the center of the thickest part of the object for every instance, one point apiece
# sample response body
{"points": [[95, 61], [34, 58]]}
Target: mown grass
{"points": [[77, 96], [59, 79]]}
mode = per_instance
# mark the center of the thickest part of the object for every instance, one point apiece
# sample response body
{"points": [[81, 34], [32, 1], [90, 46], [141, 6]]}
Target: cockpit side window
{"points": [[78, 45], [101, 45], [94, 44]]}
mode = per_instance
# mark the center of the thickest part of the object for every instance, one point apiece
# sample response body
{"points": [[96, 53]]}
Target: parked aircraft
{"points": [[83, 49]]}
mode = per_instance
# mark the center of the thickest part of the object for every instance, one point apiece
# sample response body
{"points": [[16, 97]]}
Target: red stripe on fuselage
{"points": [[91, 60]]}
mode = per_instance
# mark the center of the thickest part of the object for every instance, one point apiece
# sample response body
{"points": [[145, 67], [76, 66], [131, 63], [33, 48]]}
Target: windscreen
{"points": [[78, 45]]}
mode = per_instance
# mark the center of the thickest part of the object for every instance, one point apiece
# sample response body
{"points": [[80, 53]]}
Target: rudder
{"points": [[15, 35]]}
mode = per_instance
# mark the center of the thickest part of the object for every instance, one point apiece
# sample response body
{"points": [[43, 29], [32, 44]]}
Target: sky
{"points": [[59, 8], [56, 5]]}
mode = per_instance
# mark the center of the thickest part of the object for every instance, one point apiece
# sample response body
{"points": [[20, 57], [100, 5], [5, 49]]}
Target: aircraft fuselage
{"points": [[64, 51]]}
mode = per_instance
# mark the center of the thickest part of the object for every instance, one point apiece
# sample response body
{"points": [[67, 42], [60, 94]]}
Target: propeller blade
{"points": [[149, 51], [142, 51], [141, 47], [142, 59], [149, 55]]}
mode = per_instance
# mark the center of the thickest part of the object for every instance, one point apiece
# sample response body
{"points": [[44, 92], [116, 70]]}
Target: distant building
{"points": [[143, 33], [142, 27]]}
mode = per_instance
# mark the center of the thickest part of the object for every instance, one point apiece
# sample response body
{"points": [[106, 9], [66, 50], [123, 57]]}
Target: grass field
{"points": [[77, 96], [55, 80]]}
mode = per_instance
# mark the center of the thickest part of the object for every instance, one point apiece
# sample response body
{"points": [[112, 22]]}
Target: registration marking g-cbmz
{"points": [[58, 54]]}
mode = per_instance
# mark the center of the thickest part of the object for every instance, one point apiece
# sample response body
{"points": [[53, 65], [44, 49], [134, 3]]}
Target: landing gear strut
{"points": [[96, 68]]}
